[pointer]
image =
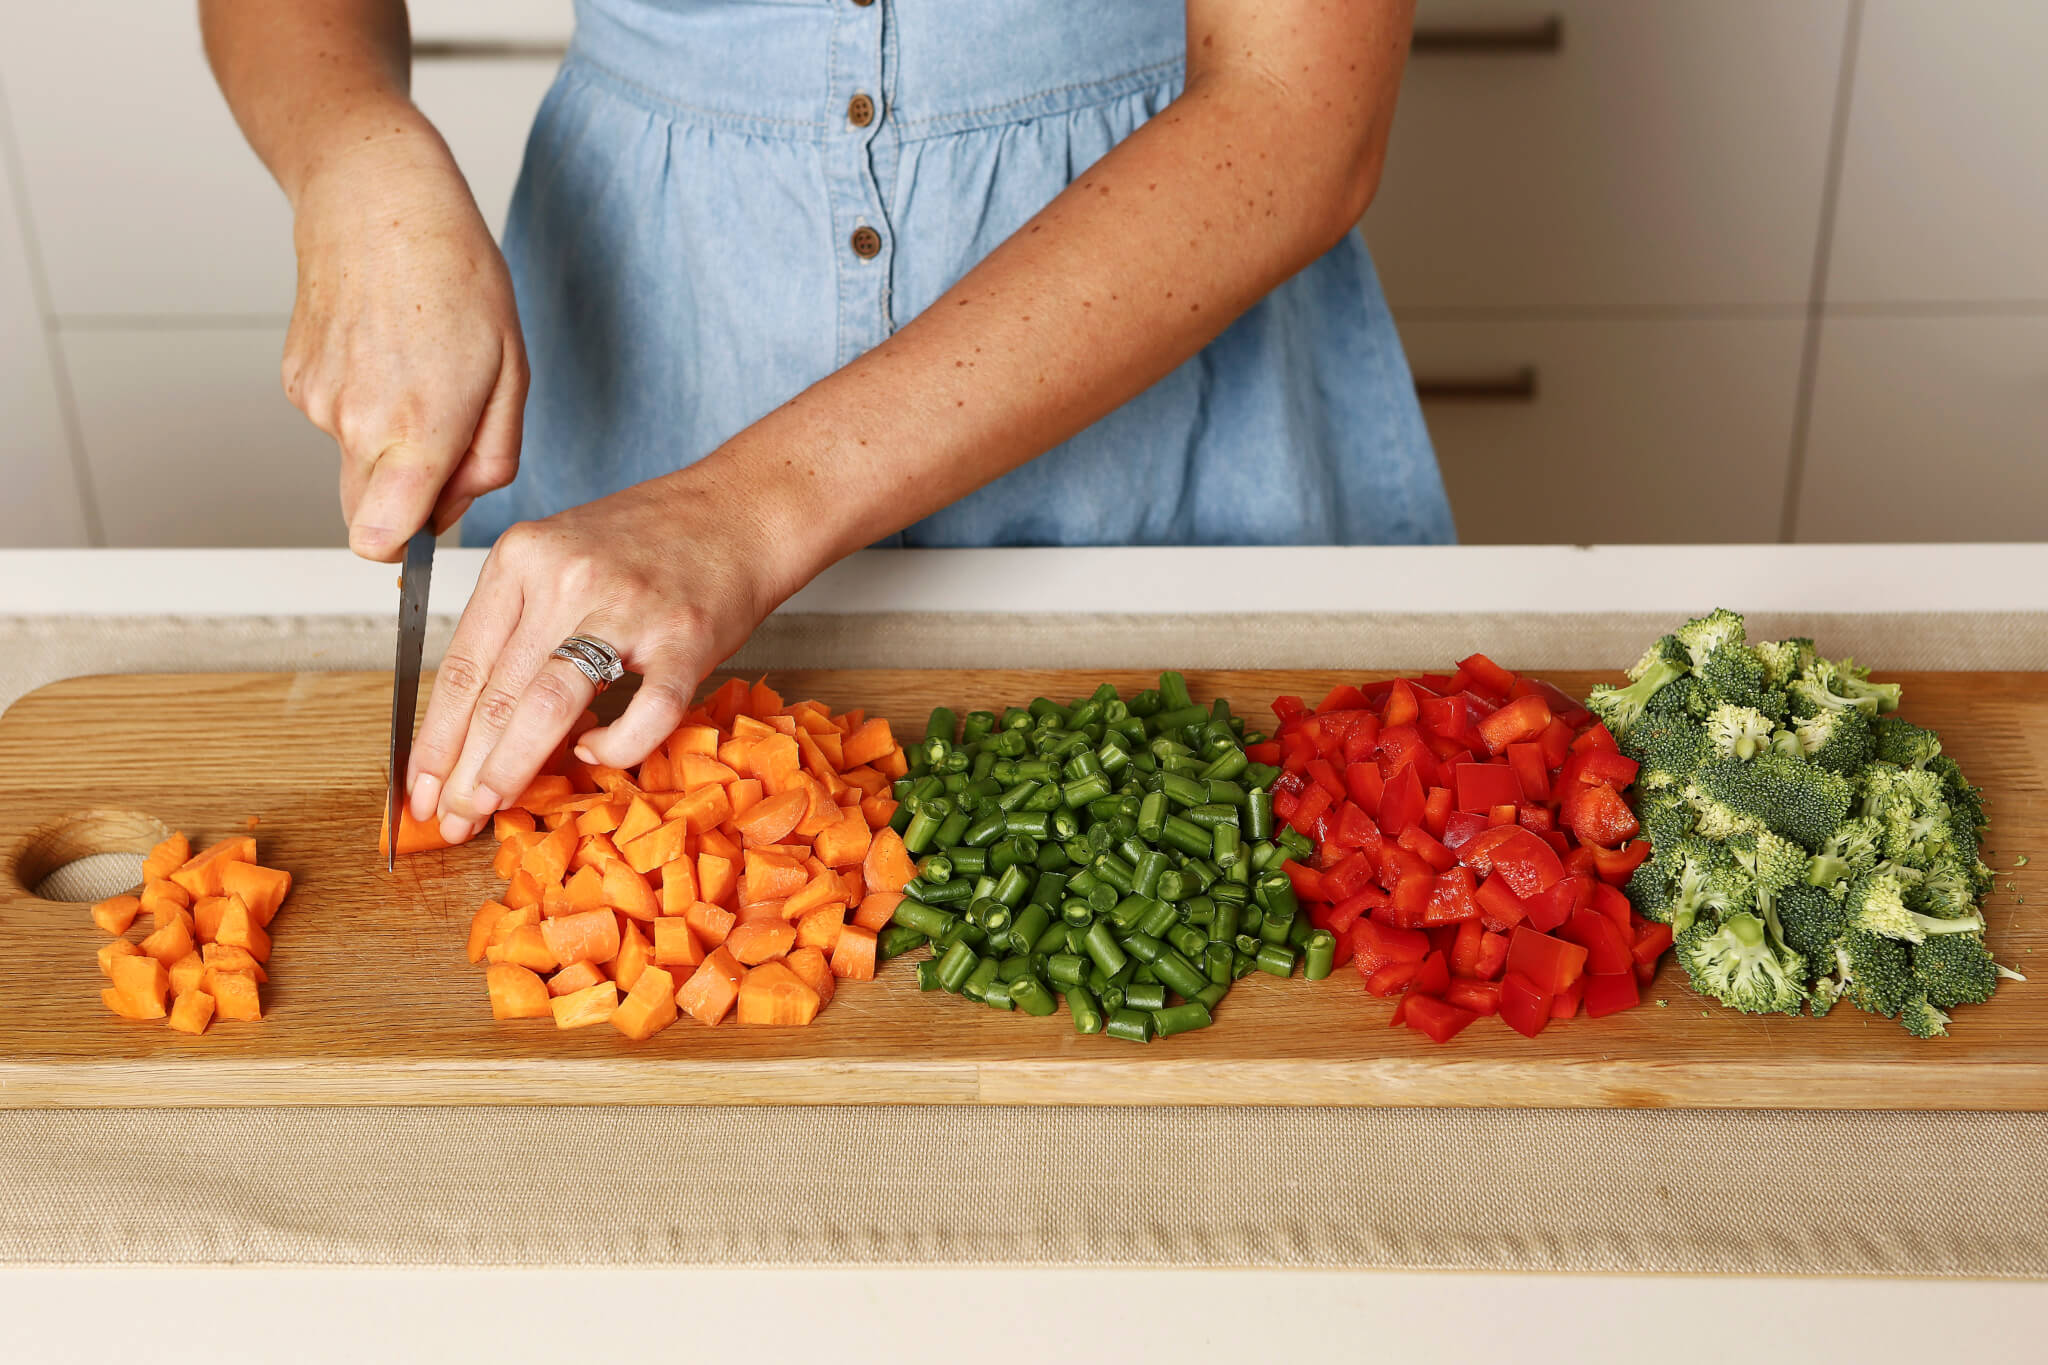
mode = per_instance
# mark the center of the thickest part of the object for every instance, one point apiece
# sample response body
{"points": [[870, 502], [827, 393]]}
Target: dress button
{"points": [[867, 243], [863, 3], [860, 111]]}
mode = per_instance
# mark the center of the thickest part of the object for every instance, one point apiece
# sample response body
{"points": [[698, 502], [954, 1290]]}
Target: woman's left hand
{"points": [[673, 574]]}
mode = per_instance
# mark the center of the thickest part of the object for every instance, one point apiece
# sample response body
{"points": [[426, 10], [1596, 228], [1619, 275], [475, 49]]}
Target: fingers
{"points": [[399, 496], [467, 800], [547, 709], [492, 460], [668, 680], [480, 636]]}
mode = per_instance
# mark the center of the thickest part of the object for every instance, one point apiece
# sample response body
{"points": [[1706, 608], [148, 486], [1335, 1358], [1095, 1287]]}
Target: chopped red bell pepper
{"points": [[1314, 803], [1525, 760], [1537, 820], [1343, 697], [1525, 861], [1610, 993], [1401, 707], [1347, 912], [1432, 975], [1551, 963], [1392, 977], [1595, 736], [1451, 900], [1411, 900], [1325, 776], [1308, 883], [1607, 948], [1266, 751], [1482, 786], [1601, 817], [1489, 676], [1522, 718], [1565, 1003], [1524, 1005], [1287, 708], [1499, 907], [1465, 949], [1418, 841], [1615, 907], [1480, 997], [1461, 827], [1617, 865], [1436, 809], [1401, 803], [1397, 862], [1440, 1020], [1345, 880], [1364, 783], [1375, 944], [1651, 943]]}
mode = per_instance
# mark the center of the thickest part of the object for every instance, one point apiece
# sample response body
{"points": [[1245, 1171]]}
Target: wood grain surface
{"points": [[373, 1002]]}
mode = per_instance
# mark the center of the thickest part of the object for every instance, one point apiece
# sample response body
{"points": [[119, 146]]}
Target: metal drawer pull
{"points": [[1519, 387], [488, 49], [1543, 35]]}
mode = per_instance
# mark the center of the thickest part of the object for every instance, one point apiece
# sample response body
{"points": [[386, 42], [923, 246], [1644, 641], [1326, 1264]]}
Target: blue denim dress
{"points": [[705, 224]]}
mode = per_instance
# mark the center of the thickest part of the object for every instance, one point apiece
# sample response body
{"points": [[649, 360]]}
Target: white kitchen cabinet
{"points": [[143, 193], [1651, 431], [1928, 429], [40, 504], [1944, 193], [1665, 155], [190, 440]]}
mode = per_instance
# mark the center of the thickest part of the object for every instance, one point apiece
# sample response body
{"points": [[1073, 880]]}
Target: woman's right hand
{"points": [[404, 343]]}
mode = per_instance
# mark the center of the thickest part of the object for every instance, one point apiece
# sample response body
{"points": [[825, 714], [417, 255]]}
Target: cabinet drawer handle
{"points": [[1538, 36], [488, 49], [1518, 387]]}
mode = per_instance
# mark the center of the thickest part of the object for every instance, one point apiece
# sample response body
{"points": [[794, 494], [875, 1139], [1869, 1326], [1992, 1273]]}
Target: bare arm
{"points": [[404, 344], [1266, 160]]}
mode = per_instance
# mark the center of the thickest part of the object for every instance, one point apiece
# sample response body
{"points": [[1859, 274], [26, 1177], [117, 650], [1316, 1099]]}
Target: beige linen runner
{"points": [[1669, 1191]]}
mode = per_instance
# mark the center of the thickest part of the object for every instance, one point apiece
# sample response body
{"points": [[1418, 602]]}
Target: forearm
{"points": [[310, 79], [1126, 274]]}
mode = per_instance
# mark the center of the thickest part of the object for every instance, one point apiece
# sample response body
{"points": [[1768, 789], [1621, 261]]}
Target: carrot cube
{"points": [[116, 913], [192, 1012], [649, 1007], [234, 995], [773, 994], [262, 889], [143, 982], [480, 926], [844, 842], [754, 941], [575, 977], [507, 823], [166, 858], [238, 929], [710, 923], [876, 910], [636, 955], [872, 741], [224, 958], [589, 936], [816, 972], [527, 946], [516, 993], [120, 947], [821, 928], [678, 886], [186, 974], [853, 957], [626, 890], [712, 988], [591, 1005], [675, 945]]}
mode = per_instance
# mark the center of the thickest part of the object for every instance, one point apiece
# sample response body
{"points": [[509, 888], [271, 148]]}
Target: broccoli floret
{"points": [[1715, 819], [1794, 798], [1904, 743], [1619, 708], [1773, 862], [1736, 963], [1916, 818], [1873, 786], [1737, 731], [1703, 635], [1922, 1019], [1851, 850], [1702, 879], [1665, 818], [1877, 904], [1838, 740], [1666, 650], [1874, 973], [1784, 660], [1955, 969], [1812, 921], [1966, 800], [1667, 744], [1846, 678], [1946, 891], [1733, 674]]}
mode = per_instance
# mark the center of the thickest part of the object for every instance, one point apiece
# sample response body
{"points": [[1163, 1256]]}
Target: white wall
{"points": [[1725, 270]]}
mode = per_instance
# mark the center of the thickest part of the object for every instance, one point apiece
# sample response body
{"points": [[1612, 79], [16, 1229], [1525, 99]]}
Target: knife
{"points": [[405, 673]]}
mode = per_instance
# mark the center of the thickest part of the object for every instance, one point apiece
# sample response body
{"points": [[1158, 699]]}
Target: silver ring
{"points": [[593, 658]]}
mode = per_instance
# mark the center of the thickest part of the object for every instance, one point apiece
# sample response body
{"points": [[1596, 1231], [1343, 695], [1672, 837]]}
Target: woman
{"points": [[794, 277]]}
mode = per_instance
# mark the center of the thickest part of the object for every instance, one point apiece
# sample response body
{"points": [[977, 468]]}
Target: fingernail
{"points": [[585, 755], [426, 796], [456, 829]]}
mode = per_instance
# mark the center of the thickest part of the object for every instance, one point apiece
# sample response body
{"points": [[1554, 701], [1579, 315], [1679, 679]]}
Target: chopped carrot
{"points": [[575, 977], [627, 891], [712, 988], [523, 890], [187, 972], [600, 819], [754, 941], [810, 965], [142, 982], [116, 913], [238, 929], [548, 860], [170, 943], [663, 844], [527, 946], [262, 889], [200, 875], [877, 809], [166, 858], [822, 891], [119, 947], [876, 910], [235, 995], [159, 892], [591, 1005], [590, 936], [853, 957], [692, 739], [710, 923], [414, 836], [844, 842], [640, 818], [585, 889], [192, 1012], [480, 926], [636, 955], [821, 927], [678, 886], [675, 945], [717, 878], [649, 1006], [506, 823], [872, 741], [206, 917], [516, 993], [598, 851], [887, 866], [224, 958], [773, 994], [656, 772]]}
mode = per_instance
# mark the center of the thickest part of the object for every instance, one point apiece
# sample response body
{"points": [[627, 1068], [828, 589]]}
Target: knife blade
{"points": [[405, 673]]}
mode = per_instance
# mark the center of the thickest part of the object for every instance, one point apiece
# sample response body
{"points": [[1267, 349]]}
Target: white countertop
{"points": [[1669, 580], [913, 1315]]}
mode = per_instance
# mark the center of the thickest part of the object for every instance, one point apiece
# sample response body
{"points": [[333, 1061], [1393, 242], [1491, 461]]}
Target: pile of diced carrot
{"points": [[749, 857], [209, 939]]}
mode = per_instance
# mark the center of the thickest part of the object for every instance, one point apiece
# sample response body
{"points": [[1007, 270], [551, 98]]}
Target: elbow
{"points": [[1349, 194]]}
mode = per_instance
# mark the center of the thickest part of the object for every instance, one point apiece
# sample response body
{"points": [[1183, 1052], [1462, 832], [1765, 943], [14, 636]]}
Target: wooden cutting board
{"points": [[373, 1002]]}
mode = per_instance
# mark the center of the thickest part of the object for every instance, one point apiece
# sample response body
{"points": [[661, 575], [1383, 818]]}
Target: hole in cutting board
{"points": [[86, 856]]}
